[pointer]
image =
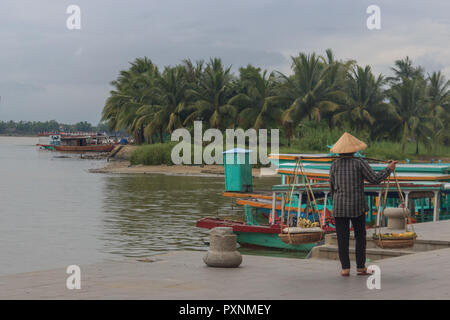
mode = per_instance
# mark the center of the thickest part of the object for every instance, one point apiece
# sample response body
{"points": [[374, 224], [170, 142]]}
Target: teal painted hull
{"points": [[269, 240]]}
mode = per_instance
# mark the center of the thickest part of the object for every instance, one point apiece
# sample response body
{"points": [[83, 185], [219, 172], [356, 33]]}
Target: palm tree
{"points": [[171, 91], [439, 98], [193, 72], [212, 97], [258, 100], [315, 87], [404, 69], [133, 89], [169, 95], [410, 101], [153, 121], [365, 101]]}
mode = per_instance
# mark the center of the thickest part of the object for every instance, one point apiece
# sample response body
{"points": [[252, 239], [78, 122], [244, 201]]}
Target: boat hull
{"points": [[93, 148], [255, 236], [271, 241]]}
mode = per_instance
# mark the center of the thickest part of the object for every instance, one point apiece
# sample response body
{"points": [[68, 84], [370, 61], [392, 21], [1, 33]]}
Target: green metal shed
{"points": [[238, 170]]}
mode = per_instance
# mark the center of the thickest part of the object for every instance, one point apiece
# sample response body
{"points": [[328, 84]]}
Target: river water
{"points": [[54, 212]]}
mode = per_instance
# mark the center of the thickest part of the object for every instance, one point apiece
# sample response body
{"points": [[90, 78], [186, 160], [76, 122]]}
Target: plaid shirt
{"points": [[347, 177]]}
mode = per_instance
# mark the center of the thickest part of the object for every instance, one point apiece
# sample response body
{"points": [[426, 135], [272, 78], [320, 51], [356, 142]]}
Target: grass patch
{"points": [[152, 154]]}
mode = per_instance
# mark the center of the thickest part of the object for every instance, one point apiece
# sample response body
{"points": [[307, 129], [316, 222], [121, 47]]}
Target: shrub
{"points": [[152, 154]]}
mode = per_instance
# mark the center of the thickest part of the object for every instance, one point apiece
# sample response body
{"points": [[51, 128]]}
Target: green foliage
{"points": [[152, 154], [314, 136], [312, 106], [35, 127]]}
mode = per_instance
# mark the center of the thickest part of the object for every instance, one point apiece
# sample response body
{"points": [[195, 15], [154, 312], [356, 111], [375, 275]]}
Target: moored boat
{"points": [[86, 148], [48, 140], [75, 142], [267, 213], [254, 236]]}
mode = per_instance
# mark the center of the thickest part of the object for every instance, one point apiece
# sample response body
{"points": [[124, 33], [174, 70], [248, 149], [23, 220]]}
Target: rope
{"points": [[290, 199], [384, 188], [310, 191], [403, 204]]}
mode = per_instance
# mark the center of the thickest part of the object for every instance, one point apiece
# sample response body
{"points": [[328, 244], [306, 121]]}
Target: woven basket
{"points": [[300, 238], [395, 243]]}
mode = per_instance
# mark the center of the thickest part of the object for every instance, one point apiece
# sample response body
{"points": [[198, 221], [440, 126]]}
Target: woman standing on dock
{"points": [[347, 175]]}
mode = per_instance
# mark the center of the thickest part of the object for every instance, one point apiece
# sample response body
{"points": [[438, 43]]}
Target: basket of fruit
{"points": [[305, 232], [395, 240]]}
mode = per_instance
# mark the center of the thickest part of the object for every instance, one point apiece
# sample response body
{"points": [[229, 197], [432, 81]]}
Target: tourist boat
{"points": [[48, 140], [86, 148], [428, 200], [75, 142], [318, 167]]}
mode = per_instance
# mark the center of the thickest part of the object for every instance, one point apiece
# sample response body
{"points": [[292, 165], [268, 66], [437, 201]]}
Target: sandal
{"points": [[345, 272], [363, 272]]}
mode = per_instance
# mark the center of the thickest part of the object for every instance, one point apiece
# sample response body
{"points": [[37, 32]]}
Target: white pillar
{"points": [[274, 207], [299, 209], [436, 207], [324, 207]]}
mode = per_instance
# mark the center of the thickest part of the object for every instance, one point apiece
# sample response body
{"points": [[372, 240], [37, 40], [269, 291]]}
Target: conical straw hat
{"points": [[348, 144]]}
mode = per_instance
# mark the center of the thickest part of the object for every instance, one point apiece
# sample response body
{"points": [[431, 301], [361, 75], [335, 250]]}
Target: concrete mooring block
{"points": [[396, 217], [222, 251]]}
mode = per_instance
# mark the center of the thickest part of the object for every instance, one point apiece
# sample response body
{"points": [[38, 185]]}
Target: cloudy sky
{"points": [[50, 72]]}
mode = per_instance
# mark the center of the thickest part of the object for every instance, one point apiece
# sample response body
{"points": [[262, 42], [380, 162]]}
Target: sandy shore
{"points": [[126, 167]]}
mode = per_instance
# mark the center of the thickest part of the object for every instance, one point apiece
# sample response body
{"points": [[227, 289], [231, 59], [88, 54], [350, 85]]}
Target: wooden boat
{"points": [[321, 174], [48, 140], [265, 211], [254, 236], [318, 167], [86, 148], [75, 142]]}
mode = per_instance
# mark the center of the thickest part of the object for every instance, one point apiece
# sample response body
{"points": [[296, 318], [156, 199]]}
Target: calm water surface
{"points": [[54, 213]]}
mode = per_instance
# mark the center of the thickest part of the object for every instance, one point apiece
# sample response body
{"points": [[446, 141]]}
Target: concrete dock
{"points": [[183, 275]]}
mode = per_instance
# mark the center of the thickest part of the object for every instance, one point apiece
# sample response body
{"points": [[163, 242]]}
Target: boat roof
{"points": [[296, 155], [237, 150], [325, 174], [405, 186]]}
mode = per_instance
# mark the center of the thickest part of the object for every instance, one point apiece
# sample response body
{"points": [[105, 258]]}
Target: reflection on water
{"points": [[158, 213], [54, 213], [151, 213]]}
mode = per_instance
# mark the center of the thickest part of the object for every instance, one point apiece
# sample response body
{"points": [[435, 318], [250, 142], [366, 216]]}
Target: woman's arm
{"points": [[376, 177]]}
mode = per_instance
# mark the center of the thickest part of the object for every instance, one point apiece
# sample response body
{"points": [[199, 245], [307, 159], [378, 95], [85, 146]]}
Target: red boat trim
{"points": [[238, 226]]}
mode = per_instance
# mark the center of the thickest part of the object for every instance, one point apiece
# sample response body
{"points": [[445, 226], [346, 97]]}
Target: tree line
{"points": [[35, 127], [410, 105]]}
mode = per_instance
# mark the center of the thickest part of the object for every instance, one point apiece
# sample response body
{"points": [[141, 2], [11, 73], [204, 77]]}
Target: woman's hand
{"points": [[392, 164]]}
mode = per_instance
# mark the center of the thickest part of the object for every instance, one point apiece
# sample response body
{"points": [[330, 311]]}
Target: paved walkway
{"points": [[434, 231], [182, 275]]}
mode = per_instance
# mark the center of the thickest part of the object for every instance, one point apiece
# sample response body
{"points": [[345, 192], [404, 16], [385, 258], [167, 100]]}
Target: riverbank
{"points": [[125, 167]]}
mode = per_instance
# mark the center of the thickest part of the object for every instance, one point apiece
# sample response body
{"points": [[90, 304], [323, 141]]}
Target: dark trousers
{"points": [[343, 235]]}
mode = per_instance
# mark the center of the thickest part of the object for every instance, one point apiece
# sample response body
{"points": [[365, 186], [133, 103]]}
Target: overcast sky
{"points": [[50, 72]]}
